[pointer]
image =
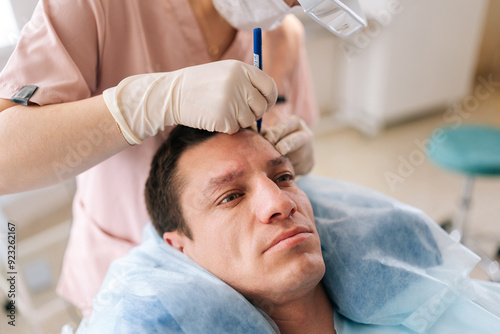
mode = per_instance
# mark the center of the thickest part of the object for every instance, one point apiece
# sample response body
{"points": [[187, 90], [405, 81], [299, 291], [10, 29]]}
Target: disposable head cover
{"points": [[389, 264], [389, 269], [157, 289]]}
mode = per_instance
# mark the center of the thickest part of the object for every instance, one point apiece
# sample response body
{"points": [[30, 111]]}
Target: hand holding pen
{"points": [[257, 59]]}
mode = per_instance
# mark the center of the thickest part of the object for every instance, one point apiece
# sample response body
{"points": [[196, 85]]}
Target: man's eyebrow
{"points": [[219, 181], [281, 160]]}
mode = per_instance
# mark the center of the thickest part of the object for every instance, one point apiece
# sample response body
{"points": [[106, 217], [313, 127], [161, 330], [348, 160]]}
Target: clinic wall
{"points": [[489, 59], [413, 59], [4, 55], [23, 10]]}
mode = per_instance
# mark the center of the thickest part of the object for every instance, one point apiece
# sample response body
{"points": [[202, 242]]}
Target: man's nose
{"points": [[273, 204]]}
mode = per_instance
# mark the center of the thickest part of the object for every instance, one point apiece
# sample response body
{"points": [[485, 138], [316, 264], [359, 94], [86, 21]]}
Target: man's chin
{"points": [[295, 278]]}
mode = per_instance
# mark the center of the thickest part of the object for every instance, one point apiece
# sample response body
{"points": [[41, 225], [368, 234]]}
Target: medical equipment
{"points": [[257, 59], [341, 17], [389, 269]]}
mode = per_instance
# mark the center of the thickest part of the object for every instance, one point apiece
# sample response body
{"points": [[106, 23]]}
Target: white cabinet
{"points": [[414, 57]]}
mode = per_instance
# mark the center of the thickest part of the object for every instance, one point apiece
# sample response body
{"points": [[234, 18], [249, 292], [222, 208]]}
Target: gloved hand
{"points": [[221, 96], [294, 139]]}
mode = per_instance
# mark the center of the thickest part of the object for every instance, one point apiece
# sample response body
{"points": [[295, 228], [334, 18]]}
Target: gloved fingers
{"points": [[257, 104], [293, 139], [264, 84], [298, 147], [274, 133], [220, 96], [263, 129], [225, 125], [246, 121], [293, 142], [302, 160]]}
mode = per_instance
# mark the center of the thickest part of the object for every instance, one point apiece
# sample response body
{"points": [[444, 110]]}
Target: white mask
{"points": [[250, 14]]}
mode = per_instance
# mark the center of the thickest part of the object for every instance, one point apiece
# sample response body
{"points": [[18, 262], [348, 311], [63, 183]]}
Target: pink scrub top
{"points": [[74, 50]]}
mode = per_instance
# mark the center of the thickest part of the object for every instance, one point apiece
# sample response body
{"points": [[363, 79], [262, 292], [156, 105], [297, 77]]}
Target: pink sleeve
{"points": [[58, 51]]}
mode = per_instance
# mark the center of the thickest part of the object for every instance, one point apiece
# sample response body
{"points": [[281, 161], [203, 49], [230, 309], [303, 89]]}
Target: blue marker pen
{"points": [[257, 58]]}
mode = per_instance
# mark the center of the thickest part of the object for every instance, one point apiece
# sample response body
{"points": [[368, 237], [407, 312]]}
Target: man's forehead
{"points": [[244, 139], [223, 147], [224, 158]]}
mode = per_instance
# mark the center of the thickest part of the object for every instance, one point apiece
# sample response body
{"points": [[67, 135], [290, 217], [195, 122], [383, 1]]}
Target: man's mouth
{"points": [[289, 238]]}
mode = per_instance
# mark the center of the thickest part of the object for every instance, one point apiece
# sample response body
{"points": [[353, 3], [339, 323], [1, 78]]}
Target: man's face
{"points": [[251, 225]]}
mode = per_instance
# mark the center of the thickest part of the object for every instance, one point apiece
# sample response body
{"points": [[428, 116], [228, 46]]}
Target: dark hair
{"points": [[164, 183]]}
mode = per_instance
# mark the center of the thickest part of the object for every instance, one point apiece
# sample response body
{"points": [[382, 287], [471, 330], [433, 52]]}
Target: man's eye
{"points": [[285, 178], [230, 198]]}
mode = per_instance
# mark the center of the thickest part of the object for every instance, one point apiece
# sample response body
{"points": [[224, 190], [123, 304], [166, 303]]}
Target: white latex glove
{"points": [[293, 139], [220, 96]]}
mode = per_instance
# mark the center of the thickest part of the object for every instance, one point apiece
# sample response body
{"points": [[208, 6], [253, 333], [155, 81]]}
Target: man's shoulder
{"points": [[155, 288]]}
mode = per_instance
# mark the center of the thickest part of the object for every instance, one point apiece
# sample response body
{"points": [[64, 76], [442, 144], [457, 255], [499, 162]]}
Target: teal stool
{"points": [[473, 150]]}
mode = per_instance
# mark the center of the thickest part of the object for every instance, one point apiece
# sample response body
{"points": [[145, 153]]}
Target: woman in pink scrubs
{"points": [[73, 51]]}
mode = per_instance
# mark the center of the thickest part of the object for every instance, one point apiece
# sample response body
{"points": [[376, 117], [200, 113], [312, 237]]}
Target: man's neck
{"points": [[310, 314]]}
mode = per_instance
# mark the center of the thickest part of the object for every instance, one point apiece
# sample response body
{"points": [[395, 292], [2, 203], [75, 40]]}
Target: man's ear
{"points": [[176, 239]]}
